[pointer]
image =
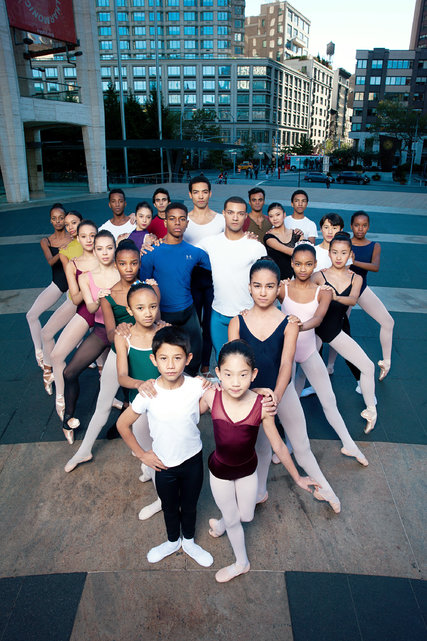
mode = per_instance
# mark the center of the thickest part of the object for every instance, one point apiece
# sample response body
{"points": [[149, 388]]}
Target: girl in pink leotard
{"points": [[236, 415]]}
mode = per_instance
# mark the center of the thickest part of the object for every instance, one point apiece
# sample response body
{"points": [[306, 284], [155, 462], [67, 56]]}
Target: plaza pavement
{"points": [[73, 563]]}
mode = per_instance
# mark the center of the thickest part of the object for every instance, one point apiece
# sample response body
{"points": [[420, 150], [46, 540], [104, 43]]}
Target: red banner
{"points": [[53, 18]]}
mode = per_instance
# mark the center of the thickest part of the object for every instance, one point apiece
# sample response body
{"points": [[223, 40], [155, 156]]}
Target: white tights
{"points": [[372, 305], [70, 337], [236, 500], [263, 452], [315, 370], [44, 300], [351, 351], [59, 319], [292, 418]]}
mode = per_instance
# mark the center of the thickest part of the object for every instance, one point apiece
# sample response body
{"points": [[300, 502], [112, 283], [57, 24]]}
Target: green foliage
{"points": [[304, 147], [203, 126], [394, 118]]}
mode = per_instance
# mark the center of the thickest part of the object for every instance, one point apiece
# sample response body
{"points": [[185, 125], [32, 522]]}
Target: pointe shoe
{"points": [[48, 379], [370, 415], [230, 572], [212, 531], [60, 406], [69, 435], [360, 458], [334, 503], [73, 423], [39, 358], [118, 405], [72, 464], [385, 368]]}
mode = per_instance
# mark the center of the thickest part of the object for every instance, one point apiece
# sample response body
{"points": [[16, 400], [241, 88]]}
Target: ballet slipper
{"points": [[60, 406], [230, 572], [48, 379], [39, 358], [370, 415], [212, 529], [360, 458], [74, 462], [385, 368], [117, 404], [275, 459], [263, 500], [69, 435], [334, 503], [73, 423]]}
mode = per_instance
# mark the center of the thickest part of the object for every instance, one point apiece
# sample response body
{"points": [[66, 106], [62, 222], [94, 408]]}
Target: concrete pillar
{"points": [[34, 160], [12, 142], [89, 79]]}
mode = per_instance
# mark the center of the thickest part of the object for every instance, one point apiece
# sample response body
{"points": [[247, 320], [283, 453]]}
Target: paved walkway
{"points": [[73, 563]]}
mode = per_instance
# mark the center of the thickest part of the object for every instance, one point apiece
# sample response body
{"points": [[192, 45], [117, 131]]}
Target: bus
{"points": [[305, 163]]}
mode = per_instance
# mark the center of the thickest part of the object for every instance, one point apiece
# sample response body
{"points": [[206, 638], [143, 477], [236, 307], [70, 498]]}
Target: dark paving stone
{"points": [[420, 592], [36, 608], [333, 607]]}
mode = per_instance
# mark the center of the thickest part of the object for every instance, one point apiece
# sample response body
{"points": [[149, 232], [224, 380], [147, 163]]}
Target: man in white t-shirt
{"points": [[298, 220], [231, 255], [119, 224]]}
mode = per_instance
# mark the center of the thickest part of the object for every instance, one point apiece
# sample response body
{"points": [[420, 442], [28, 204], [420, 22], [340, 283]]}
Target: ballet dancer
{"points": [[143, 218], [305, 300], [280, 241], [298, 219], [82, 320], [273, 338], [119, 224], [176, 454], [51, 245], [237, 413], [345, 287], [366, 258], [94, 286], [330, 224]]}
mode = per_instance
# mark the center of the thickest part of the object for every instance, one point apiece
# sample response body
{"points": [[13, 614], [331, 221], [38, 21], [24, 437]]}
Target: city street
{"points": [[73, 563]]}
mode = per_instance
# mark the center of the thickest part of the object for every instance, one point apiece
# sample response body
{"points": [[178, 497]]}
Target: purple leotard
{"points": [[82, 310], [234, 456]]}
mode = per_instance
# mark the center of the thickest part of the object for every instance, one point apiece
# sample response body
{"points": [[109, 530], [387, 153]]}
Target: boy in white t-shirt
{"points": [[298, 220], [119, 224], [176, 455]]}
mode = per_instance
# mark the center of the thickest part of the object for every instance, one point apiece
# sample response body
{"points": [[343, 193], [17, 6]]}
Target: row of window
{"points": [[107, 45], [159, 3], [171, 16], [390, 80], [391, 64]]}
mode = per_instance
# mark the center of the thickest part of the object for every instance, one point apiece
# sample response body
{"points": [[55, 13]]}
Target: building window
{"points": [[238, 24], [189, 71], [238, 50], [105, 44], [139, 31], [356, 126], [173, 3], [375, 80], [174, 44], [139, 16], [190, 99], [102, 3], [190, 44], [377, 64], [209, 99], [140, 85], [124, 85], [105, 85], [206, 31], [243, 71], [207, 44], [243, 98], [123, 31], [173, 31], [397, 80], [140, 44], [206, 16], [137, 3], [361, 64], [223, 44], [175, 99], [174, 71], [259, 85], [122, 16], [224, 98], [360, 80], [189, 3], [189, 85], [209, 85], [223, 31], [223, 15], [159, 44], [174, 85], [138, 72], [173, 15], [104, 17], [243, 84], [399, 64], [259, 71], [190, 31], [224, 85], [104, 31], [373, 96], [243, 114], [208, 71], [189, 16], [259, 99], [70, 72]]}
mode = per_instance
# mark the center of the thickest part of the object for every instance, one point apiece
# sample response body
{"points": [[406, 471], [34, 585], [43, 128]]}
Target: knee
{"points": [[68, 374], [369, 369], [389, 322], [31, 316], [246, 516]]}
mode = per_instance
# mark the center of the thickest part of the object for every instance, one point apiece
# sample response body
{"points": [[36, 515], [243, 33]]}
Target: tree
{"points": [[396, 120], [203, 126], [304, 147]]}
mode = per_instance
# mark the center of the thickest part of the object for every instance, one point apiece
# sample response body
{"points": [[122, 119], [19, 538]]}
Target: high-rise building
{"points": [[320, 76], [383, 74], [341, 111], [419, 26], [279, 32]]}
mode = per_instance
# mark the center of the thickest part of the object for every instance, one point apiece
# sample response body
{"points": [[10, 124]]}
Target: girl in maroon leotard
{"points": [[236, 415]]}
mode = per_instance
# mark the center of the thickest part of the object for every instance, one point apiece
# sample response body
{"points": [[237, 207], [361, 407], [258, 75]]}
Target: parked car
{"points": [[246, 164], [317, 177], [352, 177]]}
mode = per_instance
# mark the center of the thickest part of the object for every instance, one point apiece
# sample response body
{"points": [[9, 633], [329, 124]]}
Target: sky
{"points": [[360, 24]]}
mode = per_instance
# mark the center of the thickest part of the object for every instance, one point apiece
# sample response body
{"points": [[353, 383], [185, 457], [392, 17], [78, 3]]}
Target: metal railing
{"points": [[48, 89]]}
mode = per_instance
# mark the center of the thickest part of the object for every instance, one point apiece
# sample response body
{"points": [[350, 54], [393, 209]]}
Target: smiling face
{"points": [[143, 306], [236, 375], [117, 204], [200, 195], [143, 218], [104, 249], [57, 218], [264, 287], [128, 263], [86, 237], [170, 360], [176, 223], [303, 264], [339, 253], [360, 227], [71, 223], [276, 216]]}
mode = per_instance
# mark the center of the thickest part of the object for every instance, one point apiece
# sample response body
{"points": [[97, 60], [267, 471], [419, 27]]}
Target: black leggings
{"points": [[86, 354], [179, 489], [203, 294], [187, 320]]}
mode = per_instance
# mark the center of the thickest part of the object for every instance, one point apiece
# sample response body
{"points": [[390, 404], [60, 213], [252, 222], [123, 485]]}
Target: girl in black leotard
{"points": [[50, 246], [345, 287]]}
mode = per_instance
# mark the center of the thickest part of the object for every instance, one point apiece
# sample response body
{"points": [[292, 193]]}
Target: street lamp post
{"points": [[233, 153], [122, 106]]}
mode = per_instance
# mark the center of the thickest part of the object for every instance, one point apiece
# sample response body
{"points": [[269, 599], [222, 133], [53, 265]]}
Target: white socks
{"points": [[163, 550], [192, 549], [146, 473], [201, 556], [149, 510]]}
